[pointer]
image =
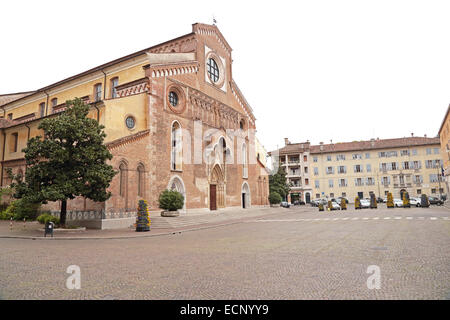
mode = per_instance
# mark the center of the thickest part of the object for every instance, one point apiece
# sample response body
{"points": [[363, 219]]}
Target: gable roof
{"points": [[98, 68], [374, 144], [10, 97]]}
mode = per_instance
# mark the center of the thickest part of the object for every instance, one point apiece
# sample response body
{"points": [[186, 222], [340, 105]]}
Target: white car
{"points": [[415, 201], [365, 203], [398, 203], [335, 206]]}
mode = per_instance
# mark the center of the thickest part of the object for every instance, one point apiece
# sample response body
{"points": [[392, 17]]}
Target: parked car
{"points": [[415, 201], [285, 204], [299, 202], [335, 206], [398, 203], [338, 199], [365, 203], [436, 201], [385, 200], [380, 200]]}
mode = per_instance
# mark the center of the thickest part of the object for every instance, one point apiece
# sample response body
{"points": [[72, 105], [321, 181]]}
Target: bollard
{"points": [[11, 224], [24, 223]]}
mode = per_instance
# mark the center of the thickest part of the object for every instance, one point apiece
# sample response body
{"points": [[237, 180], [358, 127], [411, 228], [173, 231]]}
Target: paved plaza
{"points": [[296, 253]]}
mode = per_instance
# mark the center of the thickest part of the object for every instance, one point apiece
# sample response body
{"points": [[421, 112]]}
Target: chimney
{"points": [[425, 135], [412, 134], [321, 146], [286, 141], [372, 142], [331, 141]]}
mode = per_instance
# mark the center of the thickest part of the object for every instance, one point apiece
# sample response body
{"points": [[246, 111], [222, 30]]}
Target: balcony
{"points": [[293, 174]]}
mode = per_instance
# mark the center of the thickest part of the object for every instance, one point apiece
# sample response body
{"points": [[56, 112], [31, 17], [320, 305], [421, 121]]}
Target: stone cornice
{"points": [[133, 87], [242, 101], [126, 140], [171, 69]]}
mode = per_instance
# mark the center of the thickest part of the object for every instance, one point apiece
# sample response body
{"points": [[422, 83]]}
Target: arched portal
{"points": [[216, 189], [307, 197], [402, 191], [176, 183], [245, 199]]}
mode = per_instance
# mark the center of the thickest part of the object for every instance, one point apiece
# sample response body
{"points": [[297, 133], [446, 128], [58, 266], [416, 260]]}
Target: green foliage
{"points": [[21, 208], [5, 215], [171, 200], [274, 198], [278, 183], [69, 161], [46, 217]]}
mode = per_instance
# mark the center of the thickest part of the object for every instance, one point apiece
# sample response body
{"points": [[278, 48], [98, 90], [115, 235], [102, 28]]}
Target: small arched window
{"points": [[123, 179], [141, 180], [176, 147], [54, 102]]}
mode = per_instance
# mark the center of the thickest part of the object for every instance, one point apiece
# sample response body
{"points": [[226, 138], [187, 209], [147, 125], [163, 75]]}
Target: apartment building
{"points": [[359, 168], [444, 136], [294, 158]]}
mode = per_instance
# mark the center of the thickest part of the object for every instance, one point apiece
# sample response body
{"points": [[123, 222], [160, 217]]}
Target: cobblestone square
{"points": [[295, 253]]}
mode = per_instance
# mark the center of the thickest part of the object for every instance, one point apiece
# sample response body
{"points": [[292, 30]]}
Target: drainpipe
{"points": [[98, 111], [104, 84], [3, 156], [28, 135], [46, 105]]}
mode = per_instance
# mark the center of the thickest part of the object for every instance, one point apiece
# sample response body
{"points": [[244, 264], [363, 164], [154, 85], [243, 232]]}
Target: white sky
{"points": [[317, 70]]}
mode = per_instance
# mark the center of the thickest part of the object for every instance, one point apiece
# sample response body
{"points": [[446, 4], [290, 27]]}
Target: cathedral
{"points": [[174, 119]]}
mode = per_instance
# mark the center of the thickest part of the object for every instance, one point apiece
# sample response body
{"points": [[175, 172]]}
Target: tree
{"points": [[171, 200], [69, 161], [274, 198], [278, 183]]}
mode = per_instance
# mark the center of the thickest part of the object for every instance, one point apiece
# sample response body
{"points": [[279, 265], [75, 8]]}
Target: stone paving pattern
{"points": [[291, 255]]}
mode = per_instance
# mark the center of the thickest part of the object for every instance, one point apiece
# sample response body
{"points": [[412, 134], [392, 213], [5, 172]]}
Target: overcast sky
{"points": [[311, 70]]}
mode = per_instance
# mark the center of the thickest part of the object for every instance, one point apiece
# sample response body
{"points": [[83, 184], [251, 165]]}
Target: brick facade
{"points": [[206, 112]]}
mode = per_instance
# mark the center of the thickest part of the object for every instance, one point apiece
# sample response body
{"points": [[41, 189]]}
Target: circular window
{"points": [[130, 122], [213, 70], [173, 98]]}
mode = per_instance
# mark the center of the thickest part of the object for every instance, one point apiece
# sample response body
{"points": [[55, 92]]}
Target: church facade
{"points": [[174, 119]]}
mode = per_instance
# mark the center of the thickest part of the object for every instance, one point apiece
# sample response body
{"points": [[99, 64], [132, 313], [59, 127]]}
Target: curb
{"points": [[120, 237]]}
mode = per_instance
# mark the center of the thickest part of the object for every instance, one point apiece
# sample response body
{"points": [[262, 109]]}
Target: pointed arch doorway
{"points": [[216, 189], [246, 202]]}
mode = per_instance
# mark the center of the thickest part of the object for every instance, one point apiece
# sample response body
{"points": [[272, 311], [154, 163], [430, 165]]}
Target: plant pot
{"points": [[170, 213]]}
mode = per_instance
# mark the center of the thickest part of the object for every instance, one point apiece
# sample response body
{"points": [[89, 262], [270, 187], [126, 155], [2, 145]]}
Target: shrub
{"points": [[46, 217], [4, 215], [274, 198], [171, 200], [21, 208]]}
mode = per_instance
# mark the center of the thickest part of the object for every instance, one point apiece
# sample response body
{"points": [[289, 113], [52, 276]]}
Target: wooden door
{"points": [[212, 197]]}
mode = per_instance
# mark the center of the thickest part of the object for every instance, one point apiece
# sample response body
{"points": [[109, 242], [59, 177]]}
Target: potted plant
{"points": [[170, 201], [274, 199]]}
